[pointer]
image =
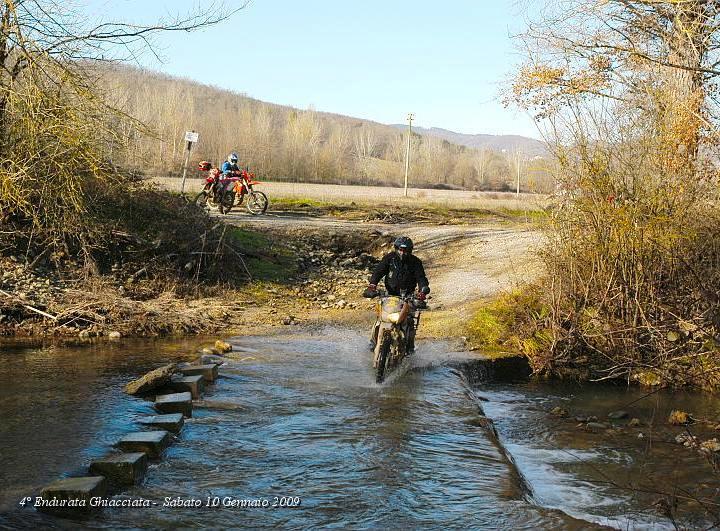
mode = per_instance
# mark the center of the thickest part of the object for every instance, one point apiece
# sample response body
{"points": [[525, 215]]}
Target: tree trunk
{"points": [[684, 94]]}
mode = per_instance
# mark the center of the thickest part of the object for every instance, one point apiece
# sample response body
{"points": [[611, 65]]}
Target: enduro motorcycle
{"points": [[394, 330], [222, 192]]}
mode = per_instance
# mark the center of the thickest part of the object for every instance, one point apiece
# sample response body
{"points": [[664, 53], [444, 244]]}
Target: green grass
{"points": [[264, 259], [287, 202], [513, 321], [249, 240]]}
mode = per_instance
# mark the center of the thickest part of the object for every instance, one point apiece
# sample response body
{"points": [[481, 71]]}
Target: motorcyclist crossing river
{"points": [[403, 273]]}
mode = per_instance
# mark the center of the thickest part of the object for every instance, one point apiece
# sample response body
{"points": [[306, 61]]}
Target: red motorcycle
{"points": [[225, 191]]}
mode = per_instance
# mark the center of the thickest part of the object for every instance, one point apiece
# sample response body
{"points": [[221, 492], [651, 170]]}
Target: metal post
{"points": [[410, 117], [185, 163]]}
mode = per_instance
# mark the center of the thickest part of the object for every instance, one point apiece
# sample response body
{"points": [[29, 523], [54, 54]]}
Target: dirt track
{"points": [[464, 263]]}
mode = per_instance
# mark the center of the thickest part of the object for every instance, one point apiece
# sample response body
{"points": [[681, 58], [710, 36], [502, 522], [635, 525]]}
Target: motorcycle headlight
{"points": [[394, 317]]}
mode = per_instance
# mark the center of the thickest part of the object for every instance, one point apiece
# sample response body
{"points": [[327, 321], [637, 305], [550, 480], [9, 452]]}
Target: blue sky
{"points": [[446, 61]]}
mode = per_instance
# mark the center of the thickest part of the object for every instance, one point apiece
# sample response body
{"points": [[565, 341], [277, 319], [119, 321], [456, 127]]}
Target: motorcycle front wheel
{"points": [[227, 202], [257, 203], [201, 200], [383, 357]]}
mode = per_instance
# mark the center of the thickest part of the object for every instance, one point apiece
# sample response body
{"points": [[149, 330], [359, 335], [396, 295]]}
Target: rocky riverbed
{"points": [[319, 270]]}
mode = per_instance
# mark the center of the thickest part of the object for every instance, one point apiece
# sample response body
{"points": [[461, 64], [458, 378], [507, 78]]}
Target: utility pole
{"points": [[410, 117], [517, 163]]}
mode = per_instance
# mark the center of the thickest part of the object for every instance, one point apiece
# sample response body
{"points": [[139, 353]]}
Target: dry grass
{"points": [[376, 195]]}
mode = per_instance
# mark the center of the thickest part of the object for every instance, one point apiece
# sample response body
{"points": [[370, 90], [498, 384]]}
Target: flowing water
{"points": [[299, 415]]}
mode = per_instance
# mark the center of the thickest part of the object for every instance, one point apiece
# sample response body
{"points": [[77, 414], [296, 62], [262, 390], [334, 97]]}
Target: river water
{"points": [[442, 444]]}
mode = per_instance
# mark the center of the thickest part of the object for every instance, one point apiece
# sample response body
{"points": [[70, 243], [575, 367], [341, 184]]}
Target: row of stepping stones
{"points": [[72, 496]]}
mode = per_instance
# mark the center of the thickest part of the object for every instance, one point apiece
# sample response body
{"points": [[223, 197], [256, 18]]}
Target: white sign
{"points": [[191, 136]]}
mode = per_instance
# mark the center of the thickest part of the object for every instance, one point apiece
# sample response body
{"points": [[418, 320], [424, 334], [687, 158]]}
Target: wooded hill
{"points": [[287, 144], [529, 147]]}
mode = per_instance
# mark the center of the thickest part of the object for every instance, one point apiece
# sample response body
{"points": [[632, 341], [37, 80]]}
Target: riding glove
{"points": [[370, 291]]}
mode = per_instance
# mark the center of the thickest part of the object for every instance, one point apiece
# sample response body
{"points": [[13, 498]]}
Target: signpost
{"points": [[191, 137]]}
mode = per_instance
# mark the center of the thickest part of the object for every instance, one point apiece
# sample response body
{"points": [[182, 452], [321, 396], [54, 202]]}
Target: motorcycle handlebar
{"points": [[409, 297]]}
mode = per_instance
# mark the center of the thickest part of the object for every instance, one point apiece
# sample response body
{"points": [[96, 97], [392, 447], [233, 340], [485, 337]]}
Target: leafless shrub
{"points": [[633, 256]]}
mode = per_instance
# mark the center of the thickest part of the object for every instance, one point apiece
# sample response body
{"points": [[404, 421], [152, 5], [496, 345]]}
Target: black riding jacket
{"points": [[400, 275]]}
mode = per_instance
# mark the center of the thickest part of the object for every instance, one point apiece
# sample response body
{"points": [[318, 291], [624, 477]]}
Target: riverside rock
{"points": [[592, 426], [223, 346], [617, 415], [559, 412], [711, 446], [151, 380], [679, 418]]}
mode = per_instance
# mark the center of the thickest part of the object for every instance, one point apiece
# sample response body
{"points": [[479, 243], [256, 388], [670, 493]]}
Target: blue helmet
{"points": [[233, 157]]}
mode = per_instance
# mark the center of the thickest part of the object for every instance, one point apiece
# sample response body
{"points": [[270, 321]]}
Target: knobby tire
{"points": [[257, 203], [383, 357]]}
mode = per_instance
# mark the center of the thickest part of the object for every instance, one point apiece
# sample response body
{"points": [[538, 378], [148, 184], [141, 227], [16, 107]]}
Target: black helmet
{"points": [[403, 242]]}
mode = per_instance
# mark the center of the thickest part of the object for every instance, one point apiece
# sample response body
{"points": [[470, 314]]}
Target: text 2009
{"points": [[286, 501]]}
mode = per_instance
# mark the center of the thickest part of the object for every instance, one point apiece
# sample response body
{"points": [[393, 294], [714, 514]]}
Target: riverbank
{"points": [[173, 269], [288, 277]]}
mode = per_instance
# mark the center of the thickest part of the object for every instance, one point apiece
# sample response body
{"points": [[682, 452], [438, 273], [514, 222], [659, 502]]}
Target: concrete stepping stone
{"points": [[153, 443], [71, 496], [209, 359], [175, 403], [194, 384], [122, 469], [171, 422], [208, 371]]}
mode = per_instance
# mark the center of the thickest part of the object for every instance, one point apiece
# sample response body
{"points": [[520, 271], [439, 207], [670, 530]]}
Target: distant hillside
{"points": [[286, 144], [528, 146]]}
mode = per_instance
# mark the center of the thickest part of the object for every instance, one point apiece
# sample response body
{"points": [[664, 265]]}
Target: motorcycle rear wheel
{"points": [[257, 203], [383, 357]]}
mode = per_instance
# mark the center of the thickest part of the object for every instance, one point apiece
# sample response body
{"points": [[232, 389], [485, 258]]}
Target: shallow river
{"points": [[299, 415]]}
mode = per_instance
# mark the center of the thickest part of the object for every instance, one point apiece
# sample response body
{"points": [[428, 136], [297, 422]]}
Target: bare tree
{"points": [[659, 55], [480, 164], [55, 126], [365, 144], [628, 87]]}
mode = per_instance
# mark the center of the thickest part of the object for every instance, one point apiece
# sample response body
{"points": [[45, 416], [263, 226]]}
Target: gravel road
{"points": [[464, 263]]}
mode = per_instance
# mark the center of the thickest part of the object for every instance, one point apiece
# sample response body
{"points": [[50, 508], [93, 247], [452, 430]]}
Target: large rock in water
{"points": [[151, 380]]}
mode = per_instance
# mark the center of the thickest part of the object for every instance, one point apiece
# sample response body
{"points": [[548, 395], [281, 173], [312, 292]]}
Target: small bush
{"points": [[515, 321]]}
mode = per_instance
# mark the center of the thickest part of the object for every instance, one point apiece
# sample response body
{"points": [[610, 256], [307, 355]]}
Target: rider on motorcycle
{"points": [[403, 273], [230, 165]]}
